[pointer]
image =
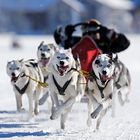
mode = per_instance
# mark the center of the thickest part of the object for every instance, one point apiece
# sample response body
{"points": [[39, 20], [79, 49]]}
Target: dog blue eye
{"points": [[58, 57]]}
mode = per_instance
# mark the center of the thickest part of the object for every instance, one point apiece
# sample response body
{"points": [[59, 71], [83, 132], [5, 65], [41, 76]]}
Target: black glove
{"points": [[57, 35], [120, 43], [69, 29], [103, 30], [123, 40], [107, 35]]}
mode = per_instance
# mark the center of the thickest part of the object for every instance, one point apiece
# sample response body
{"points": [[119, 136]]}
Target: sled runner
{"points": [[86, 49]]}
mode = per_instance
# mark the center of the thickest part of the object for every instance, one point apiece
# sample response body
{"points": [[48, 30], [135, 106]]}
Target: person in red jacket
{"points": [[107, 40]]}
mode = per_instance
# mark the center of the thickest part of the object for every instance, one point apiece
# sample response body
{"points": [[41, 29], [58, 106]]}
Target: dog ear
{"points": [[40, 44], [8, 62], [55, 48], [78, 63], [69, 50], [21, 60], [113, 57], [110, 55]]}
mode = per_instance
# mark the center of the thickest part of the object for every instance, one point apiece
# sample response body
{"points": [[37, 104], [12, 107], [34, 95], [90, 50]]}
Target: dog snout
{"points": [[62, 63], [13, 74], [104, 72], [42, 54]]}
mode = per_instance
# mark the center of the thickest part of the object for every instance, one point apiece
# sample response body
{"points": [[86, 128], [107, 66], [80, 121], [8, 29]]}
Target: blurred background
{"points": [[43, 16]]}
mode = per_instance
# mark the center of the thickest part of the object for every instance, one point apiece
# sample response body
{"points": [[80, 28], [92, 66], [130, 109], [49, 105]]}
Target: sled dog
{"points": [[63, 80], [25, 77], [45, 53], [109, 78]]}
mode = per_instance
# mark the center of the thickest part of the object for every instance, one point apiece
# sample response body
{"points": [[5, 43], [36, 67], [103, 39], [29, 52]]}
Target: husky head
{"points": [[14, 69], [63, 61], [103, 66], [45, 53]]}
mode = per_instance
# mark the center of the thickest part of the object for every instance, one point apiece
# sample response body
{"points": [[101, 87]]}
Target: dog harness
{"points": [[22, 91], [45, 78], [60, 89], [94, 77]]}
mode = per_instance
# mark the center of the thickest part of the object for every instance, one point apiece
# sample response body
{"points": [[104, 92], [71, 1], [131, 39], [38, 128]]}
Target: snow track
{"points": [[13, 125]]}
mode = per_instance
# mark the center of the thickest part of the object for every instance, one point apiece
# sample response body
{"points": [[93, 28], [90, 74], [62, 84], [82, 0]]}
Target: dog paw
{"points": [[43, 99], [51, 117], [94, 115], [96, 130], [22, 110], [36, 112], [96, 111], [55, 114]]}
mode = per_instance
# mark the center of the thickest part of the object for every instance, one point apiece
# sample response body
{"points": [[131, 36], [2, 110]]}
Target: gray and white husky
{"points": [[63, 81], [45, 53], [109, 78], [25, 78]]}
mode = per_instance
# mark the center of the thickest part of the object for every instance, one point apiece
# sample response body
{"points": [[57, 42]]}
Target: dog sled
{"points": [[84, 46], [86, 49]]}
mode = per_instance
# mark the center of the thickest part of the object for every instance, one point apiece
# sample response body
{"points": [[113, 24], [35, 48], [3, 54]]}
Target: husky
{"points": [[109, 77], [45, 53], [63, 80], [26, 77]]}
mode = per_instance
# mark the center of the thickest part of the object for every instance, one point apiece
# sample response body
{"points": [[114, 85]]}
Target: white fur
{"points": [[18, 71], [107, 72], [60, 68], [45, 53]]}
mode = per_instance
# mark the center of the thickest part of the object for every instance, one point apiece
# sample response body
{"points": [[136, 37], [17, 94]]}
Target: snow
{"points": [[13, 125]]}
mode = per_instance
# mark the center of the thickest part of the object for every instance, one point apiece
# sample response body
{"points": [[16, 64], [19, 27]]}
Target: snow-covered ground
{"points": [[125, 126]]}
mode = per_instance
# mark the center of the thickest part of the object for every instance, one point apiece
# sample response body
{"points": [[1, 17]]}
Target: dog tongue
{"points": [[44, 61], [104, 78], [62, 69]]}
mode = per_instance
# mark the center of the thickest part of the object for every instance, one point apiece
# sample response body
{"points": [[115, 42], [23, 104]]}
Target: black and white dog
{"points": [[63, 82], [25, 77], [109, 78]]}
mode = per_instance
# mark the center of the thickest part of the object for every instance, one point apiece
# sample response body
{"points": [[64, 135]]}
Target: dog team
{"points": [[58, 74]]}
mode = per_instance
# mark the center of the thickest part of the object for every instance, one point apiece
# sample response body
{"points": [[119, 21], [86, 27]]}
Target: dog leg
{"points": [[62, 107], [19, 102], [92, 104], [95, 104], [64, 117], [113, 106], [44, 98], [30, 99], [106, 103], [102, 114], [90, 108], [37, 93], [55, 104], [120, 98], [96, 112]]}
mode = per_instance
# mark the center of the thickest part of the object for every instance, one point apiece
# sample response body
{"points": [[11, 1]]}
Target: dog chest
{"points": [[100, 92]]}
